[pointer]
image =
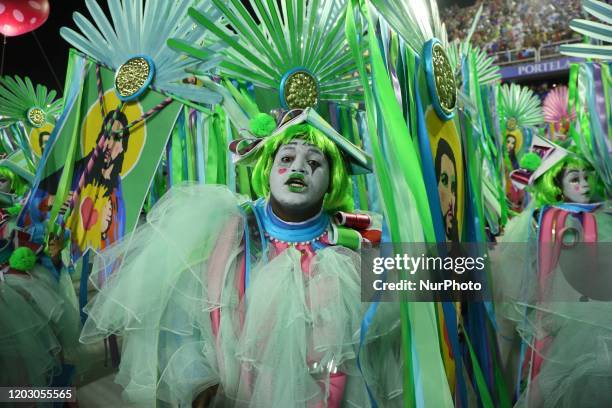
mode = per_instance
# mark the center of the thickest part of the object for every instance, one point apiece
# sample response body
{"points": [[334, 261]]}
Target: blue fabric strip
{"points": [[290, 232], [85, 269], [180, 125], [577, 207], [450, 317], [199, 123], [520, 369], [427, 165]]}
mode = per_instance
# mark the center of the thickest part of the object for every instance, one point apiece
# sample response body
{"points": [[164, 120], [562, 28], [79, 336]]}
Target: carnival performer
{"points": [[39, 322], [258, 302], [561, 298], [519, 110]]}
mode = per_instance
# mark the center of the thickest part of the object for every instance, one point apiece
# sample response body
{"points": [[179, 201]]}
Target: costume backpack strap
{"points": [[549, 245], [589, 228]]}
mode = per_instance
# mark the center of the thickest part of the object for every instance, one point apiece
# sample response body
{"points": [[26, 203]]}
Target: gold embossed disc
{"points": [[36, 117], [446, 87], [511, 124], [300, 90], [132, 76]]}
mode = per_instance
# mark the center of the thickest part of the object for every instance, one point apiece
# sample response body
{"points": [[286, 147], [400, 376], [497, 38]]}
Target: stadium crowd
{"points": [[507, 25]]}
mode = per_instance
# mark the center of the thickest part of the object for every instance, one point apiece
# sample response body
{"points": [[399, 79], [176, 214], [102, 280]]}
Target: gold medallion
{"points": [[511, 124], [444, 77], [300, 90], [132, 77], [36, 117]]}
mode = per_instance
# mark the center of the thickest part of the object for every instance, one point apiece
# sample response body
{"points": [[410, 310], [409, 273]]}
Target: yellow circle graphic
{"points": [[446, 130], [92, 128], [40, 136]]}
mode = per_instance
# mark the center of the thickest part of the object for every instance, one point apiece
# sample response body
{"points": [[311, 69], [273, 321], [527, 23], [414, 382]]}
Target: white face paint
{"points": [[300, 176], [575, 186], [5, 185]]}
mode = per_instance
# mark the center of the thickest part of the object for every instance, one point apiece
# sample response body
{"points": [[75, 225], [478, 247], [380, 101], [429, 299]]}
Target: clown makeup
{"points": [[299, 180], [5, 185], [575, 184]]}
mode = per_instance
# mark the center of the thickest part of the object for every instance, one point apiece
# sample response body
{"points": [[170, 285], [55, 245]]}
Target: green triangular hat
{"points": [[247, 151]]}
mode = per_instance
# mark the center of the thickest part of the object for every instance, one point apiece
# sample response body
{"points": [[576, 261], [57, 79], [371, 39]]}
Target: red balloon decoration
{"points": [[22, 16]]}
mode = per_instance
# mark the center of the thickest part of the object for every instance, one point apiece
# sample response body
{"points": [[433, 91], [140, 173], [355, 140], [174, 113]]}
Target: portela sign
{"points": [[544, 67]]}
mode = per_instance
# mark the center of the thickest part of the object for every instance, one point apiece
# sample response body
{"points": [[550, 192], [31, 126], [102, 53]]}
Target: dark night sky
{"points": [[23, 56]]}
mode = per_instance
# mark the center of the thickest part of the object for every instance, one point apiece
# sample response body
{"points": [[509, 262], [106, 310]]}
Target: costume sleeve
{"points": [[154, 293]]}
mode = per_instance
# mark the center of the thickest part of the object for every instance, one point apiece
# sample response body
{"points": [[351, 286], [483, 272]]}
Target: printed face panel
{"points": [[118, 147], [448, 167]]}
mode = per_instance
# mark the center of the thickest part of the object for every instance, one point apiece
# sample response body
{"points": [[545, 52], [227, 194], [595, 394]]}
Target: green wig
{"points": [[19, 186], [548, 187], [339, 195]]}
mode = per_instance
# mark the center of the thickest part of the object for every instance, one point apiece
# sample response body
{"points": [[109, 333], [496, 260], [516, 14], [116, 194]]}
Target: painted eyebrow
{"points": [[315, 151]]}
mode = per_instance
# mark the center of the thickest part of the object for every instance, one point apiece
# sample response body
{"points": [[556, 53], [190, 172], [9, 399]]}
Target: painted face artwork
{"points": [[575, 185], [447, 191], [44, 139], [5, 185], [300, 175], [113, 146], [510, 143]]}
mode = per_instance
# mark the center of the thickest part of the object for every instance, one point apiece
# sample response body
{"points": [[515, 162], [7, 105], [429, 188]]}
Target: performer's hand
{"points": [[204, 399]]}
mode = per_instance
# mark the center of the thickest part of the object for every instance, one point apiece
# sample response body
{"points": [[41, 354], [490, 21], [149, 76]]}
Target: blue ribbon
{"points": [[427, 165], [576, 208], [180, 126], [85, 270]]}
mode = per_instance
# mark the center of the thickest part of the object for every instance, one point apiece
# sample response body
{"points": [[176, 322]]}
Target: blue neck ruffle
{"points": [[289, 231]]}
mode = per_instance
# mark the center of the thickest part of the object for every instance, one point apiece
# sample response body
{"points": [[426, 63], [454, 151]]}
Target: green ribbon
{"points": [[215, 149], [606, 79], [386, 191], [481, 384], [572, 98], [583, 114], [212, 158], [190, 144], [65, 182], [419, 327], [177, 157]]}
